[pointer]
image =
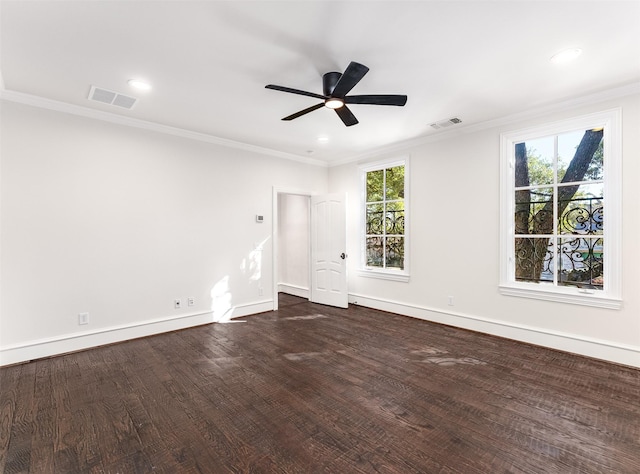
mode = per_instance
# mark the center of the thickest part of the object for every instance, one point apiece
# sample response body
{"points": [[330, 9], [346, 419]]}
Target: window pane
{"points": [[375, 214], [539, 160], [394, 222], [534, 211], [567, 146], [581, 263], [385, 218], [581, 209], [395, 183], [395, 252], [375, 184], [375, 257], [534, 259]]}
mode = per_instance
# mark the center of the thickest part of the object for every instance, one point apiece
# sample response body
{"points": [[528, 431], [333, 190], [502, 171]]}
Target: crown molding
{"points": [[49, 104], [398, 147], [401, 147]]}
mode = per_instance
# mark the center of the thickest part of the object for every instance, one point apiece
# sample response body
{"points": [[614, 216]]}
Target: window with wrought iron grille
{"points": [[558, 183], [385, 218]]}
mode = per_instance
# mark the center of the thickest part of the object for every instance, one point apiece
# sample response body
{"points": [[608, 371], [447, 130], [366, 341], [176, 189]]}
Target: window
{"points": [[385, 220], [558, 183]]}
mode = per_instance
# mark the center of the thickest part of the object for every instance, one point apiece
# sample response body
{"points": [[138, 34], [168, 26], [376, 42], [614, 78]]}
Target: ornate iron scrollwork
{"points": [[576, 256]]}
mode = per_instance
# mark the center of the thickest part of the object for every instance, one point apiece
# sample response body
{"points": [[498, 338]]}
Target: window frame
{"points": [[374, 272], [611, 295]]}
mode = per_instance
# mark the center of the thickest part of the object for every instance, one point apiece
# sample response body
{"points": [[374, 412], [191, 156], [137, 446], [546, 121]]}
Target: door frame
{"points": [[275, 238]]}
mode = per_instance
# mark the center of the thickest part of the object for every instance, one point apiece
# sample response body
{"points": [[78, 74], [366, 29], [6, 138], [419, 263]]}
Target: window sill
{"points": [[569, 296], [384, 275]]}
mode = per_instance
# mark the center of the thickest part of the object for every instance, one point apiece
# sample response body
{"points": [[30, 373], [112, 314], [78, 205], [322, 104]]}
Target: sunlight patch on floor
{"points": [[298, 356], [307, 316], [447, 361], [428, 350]]}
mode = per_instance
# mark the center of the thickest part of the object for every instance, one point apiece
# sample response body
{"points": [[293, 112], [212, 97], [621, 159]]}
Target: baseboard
{"points": [[599, 349], [293, 290], [38, 349], [590, 347], [242, 310]]}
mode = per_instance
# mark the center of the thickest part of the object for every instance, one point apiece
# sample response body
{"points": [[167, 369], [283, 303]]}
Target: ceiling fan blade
{"points": [[294, 91], [350, 77], [346, 116], [303, 112], [379, 99]]}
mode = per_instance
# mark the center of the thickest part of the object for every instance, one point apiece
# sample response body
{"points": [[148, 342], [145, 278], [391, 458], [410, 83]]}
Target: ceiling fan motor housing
{"points": [[329, 81]]}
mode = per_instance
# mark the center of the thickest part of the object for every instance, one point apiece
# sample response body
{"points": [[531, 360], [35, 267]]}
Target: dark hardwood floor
{"points": [[311, 389]]}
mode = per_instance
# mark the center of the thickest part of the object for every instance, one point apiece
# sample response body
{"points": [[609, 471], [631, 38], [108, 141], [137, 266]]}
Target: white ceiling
{"points": [[209, 61]]}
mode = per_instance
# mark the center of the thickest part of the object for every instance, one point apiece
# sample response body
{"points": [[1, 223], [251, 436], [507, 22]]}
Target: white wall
{"points": [[118, 222], [454, 246], [293, 244]]}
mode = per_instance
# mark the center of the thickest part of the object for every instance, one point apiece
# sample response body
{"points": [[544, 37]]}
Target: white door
{"points": [[328, 250]]}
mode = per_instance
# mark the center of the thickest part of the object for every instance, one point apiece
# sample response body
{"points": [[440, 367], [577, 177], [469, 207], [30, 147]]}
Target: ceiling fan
{"points": [[335, 87]]}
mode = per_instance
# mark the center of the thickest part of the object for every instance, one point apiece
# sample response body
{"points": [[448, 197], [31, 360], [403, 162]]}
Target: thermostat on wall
{"points": [[260, 219]]}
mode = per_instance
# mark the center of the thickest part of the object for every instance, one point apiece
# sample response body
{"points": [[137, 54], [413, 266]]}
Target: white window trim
{"points": [[611, 296], [384, 274]]}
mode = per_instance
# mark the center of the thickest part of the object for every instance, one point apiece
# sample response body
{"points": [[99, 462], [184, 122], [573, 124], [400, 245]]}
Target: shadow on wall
{"points": [[221, 295]]}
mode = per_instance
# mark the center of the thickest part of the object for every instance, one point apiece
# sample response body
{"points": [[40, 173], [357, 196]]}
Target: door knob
{"points": [[343, 255]]}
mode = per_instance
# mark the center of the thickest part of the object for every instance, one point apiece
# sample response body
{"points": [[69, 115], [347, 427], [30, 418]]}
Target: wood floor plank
{"points": [[18, 453], [8, 401]]}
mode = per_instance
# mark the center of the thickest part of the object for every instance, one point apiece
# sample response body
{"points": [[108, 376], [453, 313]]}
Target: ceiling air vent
{"points": [[445, 123], [112, 98]]}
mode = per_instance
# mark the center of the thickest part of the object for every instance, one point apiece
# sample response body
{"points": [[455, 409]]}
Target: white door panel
{"points": [[328, 250]]}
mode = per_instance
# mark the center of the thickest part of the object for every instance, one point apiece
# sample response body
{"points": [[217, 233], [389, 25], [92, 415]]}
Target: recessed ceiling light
{"points": [[139, 84], [323, 139], [566, 55]]}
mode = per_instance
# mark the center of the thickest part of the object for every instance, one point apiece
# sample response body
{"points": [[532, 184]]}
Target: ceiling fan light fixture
{"points": [[334, 103]]}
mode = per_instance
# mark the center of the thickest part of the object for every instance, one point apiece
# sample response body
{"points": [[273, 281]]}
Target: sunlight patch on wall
{"points": [[221, 301], [252, 264]]}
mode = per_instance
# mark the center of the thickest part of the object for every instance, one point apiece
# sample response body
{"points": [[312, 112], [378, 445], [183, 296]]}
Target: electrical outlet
{"points": [[450, 300], [191, 301], [177, 304], [83, 318]]}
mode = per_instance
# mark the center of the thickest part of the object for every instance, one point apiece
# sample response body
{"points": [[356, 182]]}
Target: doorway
{"points": [[309, 247], [292, 244]]}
